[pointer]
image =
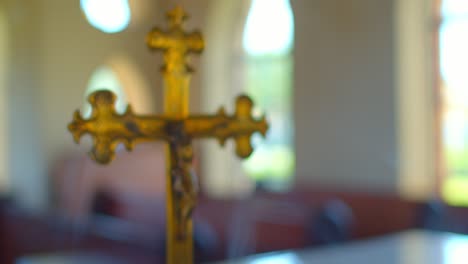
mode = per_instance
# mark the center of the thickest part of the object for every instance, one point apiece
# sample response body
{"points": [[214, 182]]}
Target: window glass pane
{"points": [[269, 83], [454, 89], [268, 40], [109, 16], [453, 8], [454, 53], [269, 28]]}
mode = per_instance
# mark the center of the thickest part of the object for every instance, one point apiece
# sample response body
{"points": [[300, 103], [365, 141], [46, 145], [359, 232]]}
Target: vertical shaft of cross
{"points": [[176, 97], [181, 192]]}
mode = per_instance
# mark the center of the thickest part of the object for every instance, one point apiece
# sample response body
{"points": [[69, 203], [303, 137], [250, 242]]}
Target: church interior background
{"points": [[366, 101]]}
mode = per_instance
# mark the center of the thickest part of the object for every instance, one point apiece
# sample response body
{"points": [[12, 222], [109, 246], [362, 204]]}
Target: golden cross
{"points": [[175, 126]]}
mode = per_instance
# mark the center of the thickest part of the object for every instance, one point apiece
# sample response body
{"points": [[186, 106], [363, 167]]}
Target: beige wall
{"points": [[70, 51], [4, 61], [344, 94], [54, 51], [26, 166], [417, 99]]}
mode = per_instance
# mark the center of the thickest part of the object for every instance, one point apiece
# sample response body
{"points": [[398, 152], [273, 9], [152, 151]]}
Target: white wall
{"points": [[345, 94]]}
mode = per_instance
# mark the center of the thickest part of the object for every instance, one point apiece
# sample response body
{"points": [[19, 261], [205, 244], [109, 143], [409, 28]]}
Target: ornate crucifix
{"points": [[176, 127]]}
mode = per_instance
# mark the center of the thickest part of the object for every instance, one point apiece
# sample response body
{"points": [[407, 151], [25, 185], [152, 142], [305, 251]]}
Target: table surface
{"points": [[409, 247], [83, 258]]}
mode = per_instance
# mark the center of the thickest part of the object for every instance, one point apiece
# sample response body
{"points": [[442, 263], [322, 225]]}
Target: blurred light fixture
{"points": [[269, 28], [109, 16]]}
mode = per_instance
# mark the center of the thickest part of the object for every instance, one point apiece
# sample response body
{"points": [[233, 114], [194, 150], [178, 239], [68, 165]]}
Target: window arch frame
{"points": [[418, 106], [223, 77]]}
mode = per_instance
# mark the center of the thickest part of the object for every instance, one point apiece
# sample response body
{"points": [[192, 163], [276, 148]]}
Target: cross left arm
{"points": [[108, 128]]}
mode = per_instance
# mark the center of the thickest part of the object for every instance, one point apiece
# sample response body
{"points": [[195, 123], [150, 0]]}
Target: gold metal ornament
{"points": [[176, 127]]}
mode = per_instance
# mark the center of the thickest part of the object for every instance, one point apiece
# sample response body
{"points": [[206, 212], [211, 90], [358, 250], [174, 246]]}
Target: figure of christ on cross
{"points": [[176, 127]]}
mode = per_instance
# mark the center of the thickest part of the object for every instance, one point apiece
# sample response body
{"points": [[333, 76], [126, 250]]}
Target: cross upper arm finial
{"points": [[176, 16], [175, 42]]}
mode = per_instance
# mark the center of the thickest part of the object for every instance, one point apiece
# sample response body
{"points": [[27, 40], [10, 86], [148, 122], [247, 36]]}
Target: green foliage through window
{"points": [[269, 81], [453, 67]]}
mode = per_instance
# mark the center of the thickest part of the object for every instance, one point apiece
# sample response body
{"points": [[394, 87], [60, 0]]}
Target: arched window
{"points": [[249, 51], [268, 41], [104, 78], [453, 43], [109, 16]]}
